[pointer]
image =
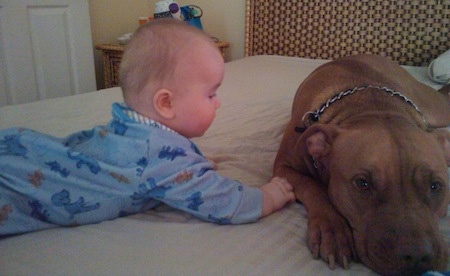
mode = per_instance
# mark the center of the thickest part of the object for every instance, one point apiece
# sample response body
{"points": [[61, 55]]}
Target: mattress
{"points": [[256, 95]]}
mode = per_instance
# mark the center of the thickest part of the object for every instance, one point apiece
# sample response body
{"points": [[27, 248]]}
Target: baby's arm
{"points": [[276, 194]]}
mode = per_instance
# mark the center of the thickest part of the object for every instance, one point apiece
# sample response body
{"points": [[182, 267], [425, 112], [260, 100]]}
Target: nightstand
{"points": [[112, 54]]}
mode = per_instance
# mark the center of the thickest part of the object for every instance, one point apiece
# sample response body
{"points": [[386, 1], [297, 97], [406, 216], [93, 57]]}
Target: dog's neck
{"points": [[364, 102]]}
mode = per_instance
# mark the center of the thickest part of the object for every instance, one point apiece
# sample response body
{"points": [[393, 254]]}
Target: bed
{"points": [[256, 97]]}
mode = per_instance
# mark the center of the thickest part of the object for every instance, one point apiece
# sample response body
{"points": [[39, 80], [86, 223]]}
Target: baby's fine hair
{"points": [[151, 54]]}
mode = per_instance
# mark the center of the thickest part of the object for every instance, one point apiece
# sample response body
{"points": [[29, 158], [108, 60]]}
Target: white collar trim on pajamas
{"points": [[142, 119]]}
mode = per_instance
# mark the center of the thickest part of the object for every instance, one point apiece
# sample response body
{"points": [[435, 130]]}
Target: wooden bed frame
{"points": [[410, 32]]}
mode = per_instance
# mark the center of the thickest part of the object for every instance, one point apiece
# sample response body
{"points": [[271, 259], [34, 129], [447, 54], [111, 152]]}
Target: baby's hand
{"points": [[276, 194]]}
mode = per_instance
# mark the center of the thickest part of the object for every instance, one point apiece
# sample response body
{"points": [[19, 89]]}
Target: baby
{"points": [[143, 157]]}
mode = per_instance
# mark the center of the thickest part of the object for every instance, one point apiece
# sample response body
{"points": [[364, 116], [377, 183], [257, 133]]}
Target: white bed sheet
{"points": [[256, 96]]}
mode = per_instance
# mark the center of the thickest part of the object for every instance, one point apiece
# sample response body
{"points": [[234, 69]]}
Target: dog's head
{"points": [[389, 179]]}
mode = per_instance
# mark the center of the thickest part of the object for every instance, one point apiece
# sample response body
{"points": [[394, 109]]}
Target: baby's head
{"points": [[170, 72]]}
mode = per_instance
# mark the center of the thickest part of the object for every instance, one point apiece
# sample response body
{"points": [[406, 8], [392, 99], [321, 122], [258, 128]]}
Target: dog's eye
{"points": [[361, 183], [435, 186]]}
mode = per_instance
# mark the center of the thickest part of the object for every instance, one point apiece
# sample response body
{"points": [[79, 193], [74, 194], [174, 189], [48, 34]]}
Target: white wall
{"points": [[110, 19]]}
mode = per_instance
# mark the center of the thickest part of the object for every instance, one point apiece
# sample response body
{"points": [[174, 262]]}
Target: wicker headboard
{"points": [[410, 32]]}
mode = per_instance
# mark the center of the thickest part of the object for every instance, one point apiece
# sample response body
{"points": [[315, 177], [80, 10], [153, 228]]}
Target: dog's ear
{"points": [[443, 136], [318, 139]]}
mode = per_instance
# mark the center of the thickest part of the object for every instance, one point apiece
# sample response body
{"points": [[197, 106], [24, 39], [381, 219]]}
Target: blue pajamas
{"points": [[122, 168]]}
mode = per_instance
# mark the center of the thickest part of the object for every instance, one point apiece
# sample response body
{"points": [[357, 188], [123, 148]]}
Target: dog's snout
{"points": [[417, 264], [407, 251], [416, 258]]}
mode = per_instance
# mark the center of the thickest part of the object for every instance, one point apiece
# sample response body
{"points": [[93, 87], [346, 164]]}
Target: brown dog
{"points": [[365, 162]]}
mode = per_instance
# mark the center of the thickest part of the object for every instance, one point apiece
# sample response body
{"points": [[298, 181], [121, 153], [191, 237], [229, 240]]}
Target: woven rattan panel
{"points": [[410, 32]]}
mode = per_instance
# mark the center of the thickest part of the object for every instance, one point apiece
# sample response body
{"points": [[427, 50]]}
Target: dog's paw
{"points": [[330, 238]]}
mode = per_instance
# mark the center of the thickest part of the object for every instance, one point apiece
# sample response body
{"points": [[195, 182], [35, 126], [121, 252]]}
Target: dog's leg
{"points": [[328, 235]]}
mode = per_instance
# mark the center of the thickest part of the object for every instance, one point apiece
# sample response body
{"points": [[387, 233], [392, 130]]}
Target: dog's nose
{"points": [[416, 258]]}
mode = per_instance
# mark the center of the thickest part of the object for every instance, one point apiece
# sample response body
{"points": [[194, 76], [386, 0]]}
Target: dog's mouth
{"points": [[390, 255]]}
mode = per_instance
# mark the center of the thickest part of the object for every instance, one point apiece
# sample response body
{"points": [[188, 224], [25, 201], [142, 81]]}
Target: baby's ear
{"points": [[162, 102]]}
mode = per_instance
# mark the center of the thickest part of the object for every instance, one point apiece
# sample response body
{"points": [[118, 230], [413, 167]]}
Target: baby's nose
{"points": [[217, 103]]}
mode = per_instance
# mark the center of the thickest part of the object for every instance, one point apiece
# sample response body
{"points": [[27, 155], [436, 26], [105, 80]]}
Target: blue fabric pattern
{"points": [[118, 169]]}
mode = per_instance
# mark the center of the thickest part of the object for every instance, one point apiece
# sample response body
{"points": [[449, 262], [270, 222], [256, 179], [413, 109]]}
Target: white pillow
{"points": [[439, 69]]}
